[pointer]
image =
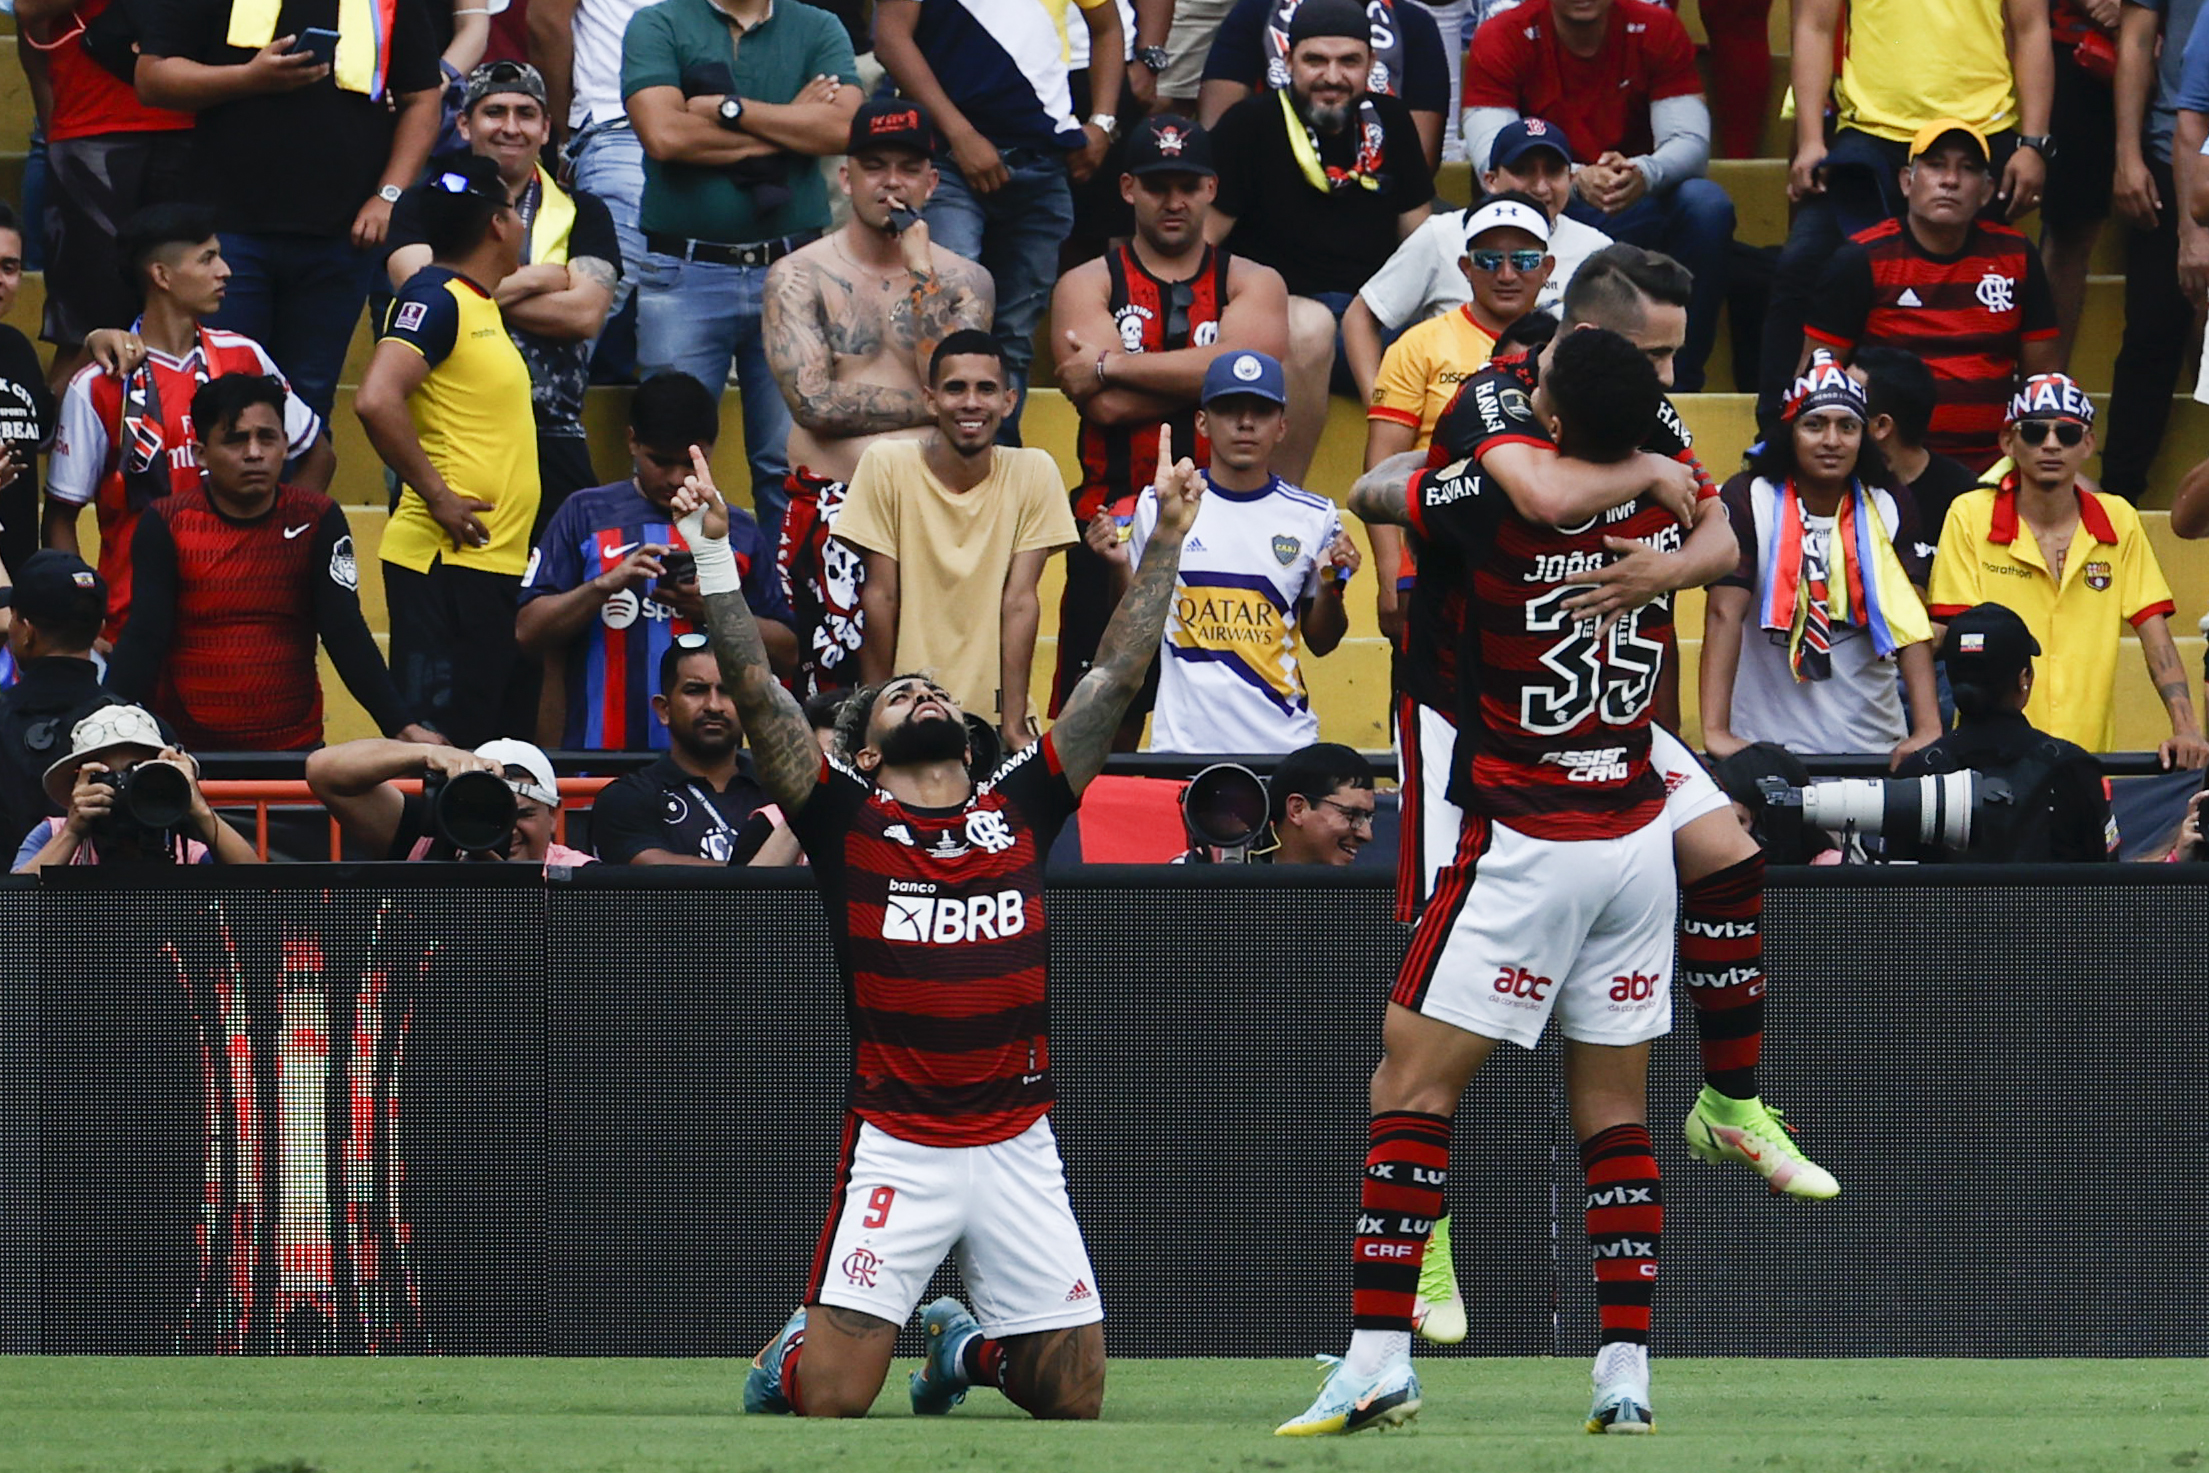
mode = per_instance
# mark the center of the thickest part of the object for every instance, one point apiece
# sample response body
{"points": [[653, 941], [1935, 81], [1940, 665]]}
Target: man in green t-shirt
{"points": [[733, 101]]}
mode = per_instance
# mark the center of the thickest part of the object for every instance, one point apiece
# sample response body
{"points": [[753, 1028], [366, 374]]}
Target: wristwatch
{"points": [[2043, 144], [732, 113], [1154, 57], [389, 194], [1107, 123]]}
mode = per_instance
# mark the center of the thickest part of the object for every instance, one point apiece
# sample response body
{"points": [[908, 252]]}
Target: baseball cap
{"points": [[509, 752], [1500, 214], [53, 584], [1987, 645], [1164, 143], [1523, 136], [891, 122], [1940, 128], [2050, 396], [1245, 373], [494, 77], [1315, 18]]}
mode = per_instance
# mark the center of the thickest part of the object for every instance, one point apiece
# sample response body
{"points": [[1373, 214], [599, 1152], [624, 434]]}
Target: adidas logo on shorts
{"points": [[1079, 1292]]}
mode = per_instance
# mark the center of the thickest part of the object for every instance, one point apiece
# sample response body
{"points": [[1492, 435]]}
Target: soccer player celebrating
{"points": [[935, 885], [1561, 898], [1642, 297]]}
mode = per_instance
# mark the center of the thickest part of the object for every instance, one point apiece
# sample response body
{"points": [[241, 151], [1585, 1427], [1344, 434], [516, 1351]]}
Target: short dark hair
{"points": [[156, 228], [856, 712], [821, 708], [221, 400], [71, 631], [671, 409], [1606, 394], [1314, 773], [1900, 386], [8, 220], [672, 657], [1773, 457], [967, 340], [455, 224], [1609, 287], [1530, 333]]}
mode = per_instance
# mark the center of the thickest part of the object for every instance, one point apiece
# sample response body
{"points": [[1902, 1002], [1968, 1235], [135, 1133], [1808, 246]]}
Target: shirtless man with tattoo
{"points": [[934, 883], [850, 322]]}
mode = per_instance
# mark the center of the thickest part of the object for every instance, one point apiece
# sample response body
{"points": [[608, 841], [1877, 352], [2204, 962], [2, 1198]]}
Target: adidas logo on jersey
{"points": [[951, 920], [1909, 298], [1194, 544]]}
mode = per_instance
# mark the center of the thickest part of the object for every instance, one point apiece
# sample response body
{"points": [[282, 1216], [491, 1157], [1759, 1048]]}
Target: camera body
{"points": [[473, 812], [153, 799]]}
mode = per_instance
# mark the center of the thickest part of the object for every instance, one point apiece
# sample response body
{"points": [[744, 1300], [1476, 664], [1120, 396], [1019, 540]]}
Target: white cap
{"points": [[542, 786], [1501, 212], [102, 731]]}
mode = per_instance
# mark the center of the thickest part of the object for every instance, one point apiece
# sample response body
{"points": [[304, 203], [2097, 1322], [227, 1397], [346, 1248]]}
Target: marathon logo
{"points": [[952, 920]]}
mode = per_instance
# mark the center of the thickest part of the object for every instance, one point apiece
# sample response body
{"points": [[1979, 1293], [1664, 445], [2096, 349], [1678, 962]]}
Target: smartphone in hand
{"points": [[319, 40]]}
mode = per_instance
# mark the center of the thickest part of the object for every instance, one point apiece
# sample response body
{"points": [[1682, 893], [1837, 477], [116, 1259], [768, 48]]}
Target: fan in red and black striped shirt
{"points": [[1965, 294]]}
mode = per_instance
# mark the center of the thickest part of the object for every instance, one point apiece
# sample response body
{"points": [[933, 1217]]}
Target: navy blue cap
{"points": [[1257, 374], [1524, 136], [1165, 143], [1987, 645], [53, 584]]}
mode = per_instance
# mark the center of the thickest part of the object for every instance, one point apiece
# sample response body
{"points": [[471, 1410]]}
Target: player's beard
{"points": [[913, 743]]}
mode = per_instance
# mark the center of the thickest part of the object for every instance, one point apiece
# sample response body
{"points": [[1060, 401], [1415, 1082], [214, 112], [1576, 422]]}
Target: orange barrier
{"points": [[262, 794]]}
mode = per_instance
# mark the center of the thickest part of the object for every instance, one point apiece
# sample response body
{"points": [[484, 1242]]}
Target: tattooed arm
{"points": [[948, 292], [2184, 747], [1085, 728], [1382, 496], [795, 327], [782, 741]]}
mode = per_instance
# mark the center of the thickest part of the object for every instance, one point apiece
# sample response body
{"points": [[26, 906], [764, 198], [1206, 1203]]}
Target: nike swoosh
{"points": [[622, 551], [291, 532]]}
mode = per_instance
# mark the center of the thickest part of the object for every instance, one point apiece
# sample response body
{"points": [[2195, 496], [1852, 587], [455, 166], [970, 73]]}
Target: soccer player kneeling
{"points": [[934, 885]]}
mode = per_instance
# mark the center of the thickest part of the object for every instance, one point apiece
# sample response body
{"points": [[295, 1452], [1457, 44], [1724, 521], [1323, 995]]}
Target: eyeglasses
{"points": [[1492, 261], [453, 182], [1352, 816], [2068, 432]]}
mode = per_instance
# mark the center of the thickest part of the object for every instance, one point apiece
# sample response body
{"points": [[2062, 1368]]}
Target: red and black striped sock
{"points": [[789, 1374], [1722, 963], [982, 1362], [1625, 1225], [1401, 1197]]}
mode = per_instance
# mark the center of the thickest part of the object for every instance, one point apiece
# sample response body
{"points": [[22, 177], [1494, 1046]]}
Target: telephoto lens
{"points": [[154, 795], [472, 811], [1224, 807]]}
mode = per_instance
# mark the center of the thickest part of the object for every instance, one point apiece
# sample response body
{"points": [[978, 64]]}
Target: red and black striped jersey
{"points": [[941, 939], [1151, 316], [1968, 316], [1553, 720]]}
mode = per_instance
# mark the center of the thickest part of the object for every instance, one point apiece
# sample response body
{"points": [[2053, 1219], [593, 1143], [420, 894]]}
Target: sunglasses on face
{"points": [[2068, 432], [1492, 261]]}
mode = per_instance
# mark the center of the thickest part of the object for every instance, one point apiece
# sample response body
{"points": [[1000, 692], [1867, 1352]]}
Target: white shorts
{"points": [[1522, 927], [1431, 822], [903, 1207], [1689, 789]]}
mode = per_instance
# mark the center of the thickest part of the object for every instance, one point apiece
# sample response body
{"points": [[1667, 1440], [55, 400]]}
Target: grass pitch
{"points": [[87, 1415]]}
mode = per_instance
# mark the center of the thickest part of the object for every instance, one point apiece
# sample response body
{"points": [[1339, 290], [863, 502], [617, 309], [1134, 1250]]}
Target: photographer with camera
{"points": [[498, 802], [129, 797], [611, 584], [2057, 808], [1318, 809]]}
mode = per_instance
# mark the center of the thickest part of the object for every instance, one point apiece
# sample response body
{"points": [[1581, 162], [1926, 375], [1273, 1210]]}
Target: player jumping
{"points": [[1642, 296], [1562, 895], [934, 884]]}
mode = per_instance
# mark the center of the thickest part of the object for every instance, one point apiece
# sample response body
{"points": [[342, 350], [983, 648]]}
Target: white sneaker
{"points": [[1621, 1390]]}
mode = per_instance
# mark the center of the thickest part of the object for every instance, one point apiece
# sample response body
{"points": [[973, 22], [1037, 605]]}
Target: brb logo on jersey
{"points": [[917, 915]]}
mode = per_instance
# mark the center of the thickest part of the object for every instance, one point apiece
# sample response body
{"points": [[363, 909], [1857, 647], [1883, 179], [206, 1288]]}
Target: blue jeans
{"points": [[1693, 224], [608, 161], [693, 316], [1015, 234], [297, 296]]}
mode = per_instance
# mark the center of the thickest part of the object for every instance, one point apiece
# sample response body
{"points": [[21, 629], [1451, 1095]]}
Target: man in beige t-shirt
{"points": [[955, 530]]}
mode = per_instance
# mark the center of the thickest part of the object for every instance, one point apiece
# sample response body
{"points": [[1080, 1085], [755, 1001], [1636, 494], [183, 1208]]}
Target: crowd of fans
{"points": [[1208, 217]]}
